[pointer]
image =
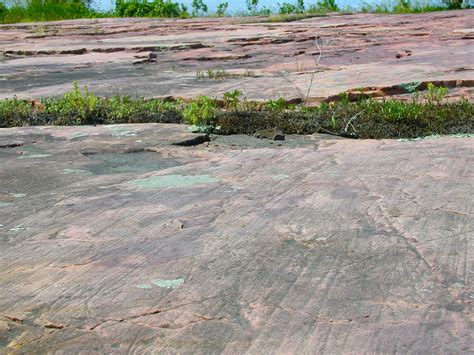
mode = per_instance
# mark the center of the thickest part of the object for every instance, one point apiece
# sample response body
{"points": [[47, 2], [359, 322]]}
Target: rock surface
{"points": [[114, 240], [153, 57]]}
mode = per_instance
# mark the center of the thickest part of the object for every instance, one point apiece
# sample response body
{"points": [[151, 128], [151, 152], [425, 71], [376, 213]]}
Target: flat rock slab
{"points": [[114, 240], [156, 57]]}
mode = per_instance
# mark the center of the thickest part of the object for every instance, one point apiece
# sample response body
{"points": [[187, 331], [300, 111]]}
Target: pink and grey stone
{"points": [[155, 57], [113, 239], [123, 242]]}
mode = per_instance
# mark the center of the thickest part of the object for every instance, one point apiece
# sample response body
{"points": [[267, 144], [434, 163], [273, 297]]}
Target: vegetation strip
{"points": [[427, 114], [50, 10]]}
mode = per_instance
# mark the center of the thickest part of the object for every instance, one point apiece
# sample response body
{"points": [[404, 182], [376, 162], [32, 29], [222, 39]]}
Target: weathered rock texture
{"points": [[113, 240], [153, 57]]}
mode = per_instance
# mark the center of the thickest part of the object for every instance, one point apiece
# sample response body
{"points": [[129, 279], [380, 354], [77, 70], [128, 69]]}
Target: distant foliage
{"points": [[144, 8], [287, 8], [454, 4], [408, 6], [327, 6], [251, 5], [222, 9], [322, 6], [199, 7], [12, 11], [3, 11], [44, 10]]}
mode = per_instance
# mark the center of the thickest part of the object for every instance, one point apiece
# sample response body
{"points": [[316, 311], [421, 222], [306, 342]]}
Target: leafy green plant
{"points": [[14, 112], [80, 105], [436, 94], [276, 105], [201, 111], [232, 99]]}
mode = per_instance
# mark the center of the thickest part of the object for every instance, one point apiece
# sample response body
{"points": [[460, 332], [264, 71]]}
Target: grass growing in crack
{"points": [[234, 114], [220, 74]]}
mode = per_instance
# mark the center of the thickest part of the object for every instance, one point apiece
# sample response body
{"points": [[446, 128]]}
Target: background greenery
{"points": [[12, 11]]}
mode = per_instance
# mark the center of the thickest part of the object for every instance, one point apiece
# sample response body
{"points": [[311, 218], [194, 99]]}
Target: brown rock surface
{"points": [[114, 240], [113, 55]]}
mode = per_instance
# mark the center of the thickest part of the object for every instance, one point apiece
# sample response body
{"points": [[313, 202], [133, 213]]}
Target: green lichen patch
{"points": [[34, 156], [169, 283], [18, 195], [164, 181], [74, 171]]}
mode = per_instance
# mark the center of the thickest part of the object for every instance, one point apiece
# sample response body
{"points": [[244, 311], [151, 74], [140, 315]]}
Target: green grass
{"points": [[234, 114]]}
